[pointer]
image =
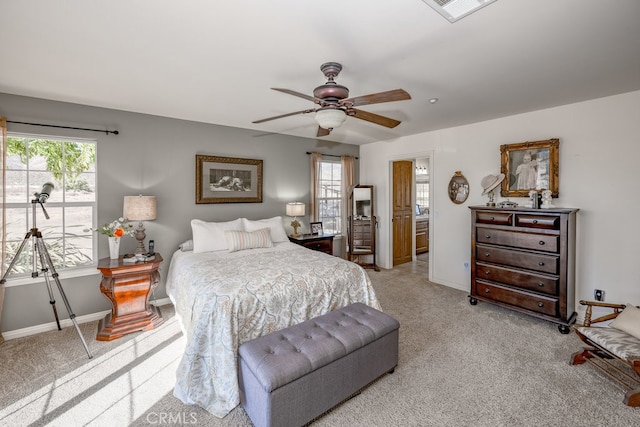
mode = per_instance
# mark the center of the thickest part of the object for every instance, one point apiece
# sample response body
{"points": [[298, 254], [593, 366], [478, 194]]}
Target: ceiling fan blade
{"points": [[377, 98], [284, 115], [298, 94], [323, 131], [374, 118]]}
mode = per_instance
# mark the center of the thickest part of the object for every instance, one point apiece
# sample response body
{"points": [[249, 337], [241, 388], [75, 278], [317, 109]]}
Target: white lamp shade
{"points": [[140, 208], [295, 209], [330, 118]]}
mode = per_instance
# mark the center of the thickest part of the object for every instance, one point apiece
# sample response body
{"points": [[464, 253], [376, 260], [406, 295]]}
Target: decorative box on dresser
{"points": [[524, 259]]}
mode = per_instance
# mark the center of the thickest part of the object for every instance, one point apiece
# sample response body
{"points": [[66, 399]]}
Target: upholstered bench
{"points": [[290, 377]]}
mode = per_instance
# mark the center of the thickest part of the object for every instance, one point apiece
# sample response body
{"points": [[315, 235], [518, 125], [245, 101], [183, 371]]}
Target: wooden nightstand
{"points": [[128, 287], [320, 243]]}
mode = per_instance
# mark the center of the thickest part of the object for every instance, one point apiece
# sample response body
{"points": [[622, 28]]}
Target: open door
{"points": [[402, 212]]}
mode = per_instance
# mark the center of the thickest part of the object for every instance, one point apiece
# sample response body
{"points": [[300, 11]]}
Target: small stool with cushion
{"points": [[614, 349]]}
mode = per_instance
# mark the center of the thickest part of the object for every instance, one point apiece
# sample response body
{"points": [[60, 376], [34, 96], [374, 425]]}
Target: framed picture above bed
{"points": [[228, 180]]}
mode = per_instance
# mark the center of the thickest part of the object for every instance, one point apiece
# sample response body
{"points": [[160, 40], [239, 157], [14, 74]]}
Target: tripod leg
{"points": [[15, 258], [45, 270], [54, 274]]}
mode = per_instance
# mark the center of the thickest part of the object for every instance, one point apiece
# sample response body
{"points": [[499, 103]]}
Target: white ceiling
{"points": [[215, 62]]}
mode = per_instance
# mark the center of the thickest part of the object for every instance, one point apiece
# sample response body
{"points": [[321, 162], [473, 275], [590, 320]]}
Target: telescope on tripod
{"points": [[39, 253]]}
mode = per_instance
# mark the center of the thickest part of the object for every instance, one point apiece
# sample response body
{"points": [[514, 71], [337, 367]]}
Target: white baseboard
{"points": [[64, 323]]}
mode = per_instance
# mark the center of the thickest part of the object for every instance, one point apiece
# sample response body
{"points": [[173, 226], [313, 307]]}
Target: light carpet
{"points": [[460, 365]]}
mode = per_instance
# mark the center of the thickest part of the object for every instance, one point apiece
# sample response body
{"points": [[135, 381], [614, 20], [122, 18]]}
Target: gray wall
{"points": [[155, 156]]}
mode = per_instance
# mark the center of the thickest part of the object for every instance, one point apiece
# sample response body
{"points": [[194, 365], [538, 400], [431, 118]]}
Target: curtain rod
{"points": [[331, 155], [115, 132]]}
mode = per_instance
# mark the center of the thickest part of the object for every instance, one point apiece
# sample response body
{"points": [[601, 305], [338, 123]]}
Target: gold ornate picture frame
{"points": [[228, 180], [530, 166]]}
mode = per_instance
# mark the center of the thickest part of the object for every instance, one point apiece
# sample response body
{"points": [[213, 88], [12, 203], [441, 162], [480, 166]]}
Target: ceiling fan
{"points": [[335, 106]]}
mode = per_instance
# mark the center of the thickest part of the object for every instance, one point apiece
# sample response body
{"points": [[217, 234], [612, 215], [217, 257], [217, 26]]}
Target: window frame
{"points": [[337, 219], [16, 279]]}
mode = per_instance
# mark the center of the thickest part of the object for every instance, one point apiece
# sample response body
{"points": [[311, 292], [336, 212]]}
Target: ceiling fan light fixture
{"points": [[330, 117]]}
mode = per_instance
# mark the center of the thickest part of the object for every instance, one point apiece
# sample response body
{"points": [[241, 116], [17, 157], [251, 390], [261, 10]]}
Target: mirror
{"points": [[362, 226], [362, 202]]}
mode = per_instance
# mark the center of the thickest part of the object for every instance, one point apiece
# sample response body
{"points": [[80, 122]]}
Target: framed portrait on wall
{"points": [[529, 166], [228, 180]]}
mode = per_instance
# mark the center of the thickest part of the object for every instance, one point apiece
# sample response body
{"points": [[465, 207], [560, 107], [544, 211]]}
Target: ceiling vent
{"points": [[454, 10]]}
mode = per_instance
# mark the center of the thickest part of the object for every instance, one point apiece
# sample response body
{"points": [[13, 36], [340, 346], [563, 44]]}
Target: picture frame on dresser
{"points": [[530, 166], [228, 180], [316, 228]]}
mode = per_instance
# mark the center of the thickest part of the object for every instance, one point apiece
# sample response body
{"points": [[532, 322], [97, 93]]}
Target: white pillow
{"points": [[186, 246], [241, 240], [209, 236], [628, 321], [275, 224]]}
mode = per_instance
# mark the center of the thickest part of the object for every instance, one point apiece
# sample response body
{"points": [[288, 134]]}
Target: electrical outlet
{"points": [[466, 266], [598, 294]]}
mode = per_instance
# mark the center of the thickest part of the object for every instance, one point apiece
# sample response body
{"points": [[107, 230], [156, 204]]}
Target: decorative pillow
{"points": [[628, 321], [241, 240], [209, 236], [186, 246], [275, 224]]}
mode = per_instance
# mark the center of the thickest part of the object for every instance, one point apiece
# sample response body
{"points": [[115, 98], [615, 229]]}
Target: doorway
{"points": [[410, 188]]}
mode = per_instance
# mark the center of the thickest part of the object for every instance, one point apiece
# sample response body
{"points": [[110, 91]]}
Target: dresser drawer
{"points": [[538, 221], [498, 218], [509, 257], [325, 246], [537, 303], [532, 282], [538, 242]]}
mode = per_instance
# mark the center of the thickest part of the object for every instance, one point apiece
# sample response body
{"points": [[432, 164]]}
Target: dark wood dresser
{"points": [[524, 259], [320, 243]]}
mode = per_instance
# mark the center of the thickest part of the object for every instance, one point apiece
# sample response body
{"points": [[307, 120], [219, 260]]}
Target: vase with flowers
{"points": [[115, 230]]}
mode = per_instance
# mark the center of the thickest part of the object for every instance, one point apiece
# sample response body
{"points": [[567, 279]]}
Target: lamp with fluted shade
{"points": [[295, 209], [140, 208]]}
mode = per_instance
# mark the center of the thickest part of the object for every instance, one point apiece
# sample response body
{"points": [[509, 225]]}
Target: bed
{"points": [[226, 297]]}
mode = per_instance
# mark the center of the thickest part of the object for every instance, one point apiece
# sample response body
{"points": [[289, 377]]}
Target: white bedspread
{"points": [[224, 299]]}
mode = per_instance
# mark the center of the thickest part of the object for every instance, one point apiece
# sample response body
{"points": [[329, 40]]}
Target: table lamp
{"points": [[140, 208], [295, 209]]}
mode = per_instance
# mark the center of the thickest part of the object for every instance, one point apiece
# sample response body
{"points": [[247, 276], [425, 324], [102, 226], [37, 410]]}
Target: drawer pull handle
{"points": [[541, 284], [487, 272], [487, 236], [541, 242], [492, 218], [541, 263], [486, 291], [540, 304], [535, 221], [487, 254]]}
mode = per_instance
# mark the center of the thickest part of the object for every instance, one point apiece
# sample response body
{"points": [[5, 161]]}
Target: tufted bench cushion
{"points": [[289, 377]]}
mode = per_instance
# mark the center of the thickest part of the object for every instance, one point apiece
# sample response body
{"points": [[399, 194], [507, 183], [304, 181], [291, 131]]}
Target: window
{"points": [[70, 165], [330, 196], [422, 189]]}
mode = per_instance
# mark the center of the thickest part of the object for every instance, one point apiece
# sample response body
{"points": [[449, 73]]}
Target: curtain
{"points": [[3, 155], [347, 182], [315, 168]]}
